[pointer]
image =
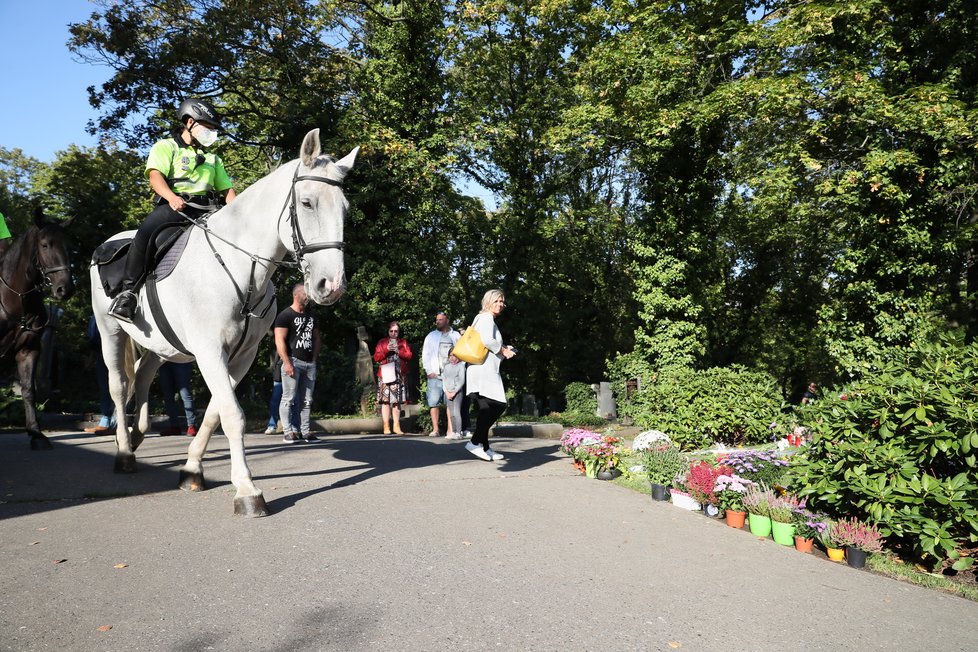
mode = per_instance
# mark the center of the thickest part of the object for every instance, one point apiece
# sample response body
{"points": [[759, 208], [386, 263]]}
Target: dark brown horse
{"points": [[36, 259]]}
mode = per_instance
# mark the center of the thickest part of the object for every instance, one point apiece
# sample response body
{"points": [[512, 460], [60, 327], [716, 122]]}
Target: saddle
{"points": [[162, 256]]}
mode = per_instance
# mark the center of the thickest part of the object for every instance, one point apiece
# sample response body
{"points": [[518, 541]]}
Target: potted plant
{"points": [[782, 512], [701, 483], [832, 547], [808, 527], [729, 490], [572, 442], [859, 539], [679, 492], [757, 501], [601, 458], [662, 463], [757, 466]]}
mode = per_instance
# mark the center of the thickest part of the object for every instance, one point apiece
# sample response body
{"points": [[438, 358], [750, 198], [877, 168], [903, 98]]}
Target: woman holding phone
{"points": [[392, 353]]}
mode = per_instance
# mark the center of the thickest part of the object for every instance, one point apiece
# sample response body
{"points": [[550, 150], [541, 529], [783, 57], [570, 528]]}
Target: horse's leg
{"points": [[115, 343], [146, 367], [26, 368], [248, 500], [192, 473]]}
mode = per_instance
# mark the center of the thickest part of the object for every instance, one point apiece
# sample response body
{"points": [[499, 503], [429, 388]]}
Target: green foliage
{"points": [[580, 400], [898, 448], [729, 405], [663, 463]]}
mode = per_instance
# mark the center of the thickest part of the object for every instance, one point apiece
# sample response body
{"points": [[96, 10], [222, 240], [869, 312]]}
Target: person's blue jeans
{"points": [[105, 404], [297, 397], [274, 404], [174, 379]]}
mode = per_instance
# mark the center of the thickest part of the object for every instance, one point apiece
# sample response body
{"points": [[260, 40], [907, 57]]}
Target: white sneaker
{"points": [[453, 435], [478, 451], [494, 456], [466, 434], [433, 433], [270, 431]]}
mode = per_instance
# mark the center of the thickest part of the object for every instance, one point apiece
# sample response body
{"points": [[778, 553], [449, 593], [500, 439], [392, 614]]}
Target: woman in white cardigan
{"points": [[483, 382]]}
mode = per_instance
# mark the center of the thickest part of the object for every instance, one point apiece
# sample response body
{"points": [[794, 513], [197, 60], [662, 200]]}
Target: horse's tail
{"points": [[129, 367]]}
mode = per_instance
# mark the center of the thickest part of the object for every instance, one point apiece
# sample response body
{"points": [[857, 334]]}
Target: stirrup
{"points": [[124, 306]]}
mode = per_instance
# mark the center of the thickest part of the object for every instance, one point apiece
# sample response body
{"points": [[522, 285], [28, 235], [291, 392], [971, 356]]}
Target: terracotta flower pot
{"points": [[736, 519], [802, 544]]}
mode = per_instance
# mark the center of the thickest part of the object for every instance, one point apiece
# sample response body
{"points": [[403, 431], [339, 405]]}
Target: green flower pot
{"points": [[760, 526], [784, 533]]}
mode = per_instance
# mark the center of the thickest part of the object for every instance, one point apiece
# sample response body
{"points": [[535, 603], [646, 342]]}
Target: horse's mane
{"points": [[17, 247]]}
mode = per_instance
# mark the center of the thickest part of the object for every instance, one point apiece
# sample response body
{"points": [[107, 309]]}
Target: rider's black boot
{"points": [[124, 306]]}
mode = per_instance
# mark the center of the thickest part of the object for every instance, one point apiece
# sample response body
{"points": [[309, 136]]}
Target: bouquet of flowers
{"points": [[729, 490]]}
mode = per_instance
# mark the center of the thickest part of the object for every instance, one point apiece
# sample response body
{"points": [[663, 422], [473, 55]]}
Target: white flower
{"points": [[645, 439]]}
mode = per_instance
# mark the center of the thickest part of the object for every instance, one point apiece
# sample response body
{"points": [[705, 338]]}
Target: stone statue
{"points": [[365, 373]]}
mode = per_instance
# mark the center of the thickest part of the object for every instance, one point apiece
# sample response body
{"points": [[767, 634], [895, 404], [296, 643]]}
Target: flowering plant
{"points": [[600, 455], [809, 525], [575, 438], [781, 509], [853, 533], [663, 462], [827, 536], [757, 499], [757, 466], [729, 490], [650, 439], [701, 481]]}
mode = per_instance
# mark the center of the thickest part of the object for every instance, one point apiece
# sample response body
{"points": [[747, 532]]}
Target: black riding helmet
{"points": [[200, 111]]}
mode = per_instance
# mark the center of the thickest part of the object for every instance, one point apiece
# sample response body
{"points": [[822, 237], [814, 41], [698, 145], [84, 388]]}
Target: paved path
{"points": [[411, 544]]}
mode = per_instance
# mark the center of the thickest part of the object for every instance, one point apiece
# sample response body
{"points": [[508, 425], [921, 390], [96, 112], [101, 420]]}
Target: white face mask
{"points": [[204, 136]]}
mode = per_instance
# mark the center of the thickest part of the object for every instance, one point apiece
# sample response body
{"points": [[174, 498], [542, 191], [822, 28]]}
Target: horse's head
{"points": [[51, 252], [317, 211]]}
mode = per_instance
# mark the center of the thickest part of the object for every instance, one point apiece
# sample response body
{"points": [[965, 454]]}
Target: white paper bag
{"points": [[387, 373]]}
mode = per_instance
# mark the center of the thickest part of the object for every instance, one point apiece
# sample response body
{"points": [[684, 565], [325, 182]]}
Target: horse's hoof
{"points": [[41, 443], [192, 481], [253, 506], [125, 464]]}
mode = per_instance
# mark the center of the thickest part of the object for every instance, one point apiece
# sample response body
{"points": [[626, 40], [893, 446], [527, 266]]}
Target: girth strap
{"points": [[159, 316]]}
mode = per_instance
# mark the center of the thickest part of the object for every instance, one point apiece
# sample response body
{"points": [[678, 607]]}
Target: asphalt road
{"points": [[410, 544]]}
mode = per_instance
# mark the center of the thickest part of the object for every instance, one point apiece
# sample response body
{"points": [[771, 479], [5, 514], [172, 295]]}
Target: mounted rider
{"points": [[188, 179], [5, 237]]}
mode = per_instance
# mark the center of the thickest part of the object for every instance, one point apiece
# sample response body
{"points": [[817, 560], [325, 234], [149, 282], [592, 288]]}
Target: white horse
{"points": [[219, 302]]}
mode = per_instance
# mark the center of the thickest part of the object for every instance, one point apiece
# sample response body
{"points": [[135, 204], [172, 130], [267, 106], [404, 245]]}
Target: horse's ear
{"points": [[40, 219], [310, 149], [345, 164]]}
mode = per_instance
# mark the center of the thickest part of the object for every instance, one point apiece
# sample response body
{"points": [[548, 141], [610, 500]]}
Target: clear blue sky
{"points": [[44, 106]]}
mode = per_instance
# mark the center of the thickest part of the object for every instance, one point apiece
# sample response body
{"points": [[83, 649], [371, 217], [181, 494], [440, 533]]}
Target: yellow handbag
{"points": [[470, 348]]}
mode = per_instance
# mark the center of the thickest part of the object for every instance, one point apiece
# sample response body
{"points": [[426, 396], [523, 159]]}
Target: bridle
{"points": [[45, 280], [299, 245]]}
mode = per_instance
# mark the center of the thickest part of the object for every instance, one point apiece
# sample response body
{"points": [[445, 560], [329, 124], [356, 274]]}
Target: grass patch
{"points": [[891, 567]]}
